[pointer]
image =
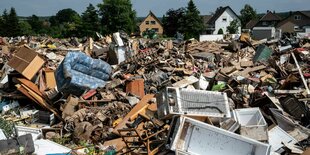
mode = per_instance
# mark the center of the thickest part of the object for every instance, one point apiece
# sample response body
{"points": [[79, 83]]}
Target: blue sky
{"points": [[159, 7]]}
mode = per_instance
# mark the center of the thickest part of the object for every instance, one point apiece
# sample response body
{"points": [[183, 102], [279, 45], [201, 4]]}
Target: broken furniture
{"points": [[79, 72]]}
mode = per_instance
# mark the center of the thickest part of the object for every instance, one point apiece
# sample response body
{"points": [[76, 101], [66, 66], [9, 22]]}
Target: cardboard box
{"points": [[136, 87], [27, 62]]}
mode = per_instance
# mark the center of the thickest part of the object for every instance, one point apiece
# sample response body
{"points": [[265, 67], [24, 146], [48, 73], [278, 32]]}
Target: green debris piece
{"points": [[110, 152], [218, 87], [7, 127], [263, 53]]}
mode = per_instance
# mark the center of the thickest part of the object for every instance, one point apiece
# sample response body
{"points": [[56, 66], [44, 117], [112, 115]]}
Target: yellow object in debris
{"points": [[51, 46], [245, 37], [116, 122]]}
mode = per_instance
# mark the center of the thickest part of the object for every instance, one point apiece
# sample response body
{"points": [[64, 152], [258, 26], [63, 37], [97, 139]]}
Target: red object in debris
{"points": [[144, 50], [136, 87], [127, 76], [89, 94], [307, 75], [300, 49]]}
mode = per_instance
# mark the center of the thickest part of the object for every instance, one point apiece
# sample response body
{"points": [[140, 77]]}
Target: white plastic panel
{"points": [[195, 137]]}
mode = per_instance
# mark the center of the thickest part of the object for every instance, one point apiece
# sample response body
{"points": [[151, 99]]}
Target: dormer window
{"points": [[297, 17]]}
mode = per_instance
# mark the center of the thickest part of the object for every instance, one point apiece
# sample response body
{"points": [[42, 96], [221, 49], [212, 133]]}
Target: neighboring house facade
{"points": [[151, 22], [270, 19], [221, 19], [295, 22]]}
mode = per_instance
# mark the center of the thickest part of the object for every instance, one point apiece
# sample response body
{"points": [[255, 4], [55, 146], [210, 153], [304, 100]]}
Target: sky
{"points": [[158, 7]]}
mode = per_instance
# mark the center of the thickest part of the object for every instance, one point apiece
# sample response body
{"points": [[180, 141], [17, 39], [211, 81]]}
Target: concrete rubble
{"points": [[120, 95]]}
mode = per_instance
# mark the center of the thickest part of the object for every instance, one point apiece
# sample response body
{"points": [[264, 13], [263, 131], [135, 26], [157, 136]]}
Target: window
{"points": [[297, 17], [264, 23], [153, 22], [147, 22], [155, 29], [296, 28], [224, 19]]}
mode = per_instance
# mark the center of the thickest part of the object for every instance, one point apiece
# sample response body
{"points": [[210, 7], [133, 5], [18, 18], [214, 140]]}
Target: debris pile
{"points": [[118, 95]]}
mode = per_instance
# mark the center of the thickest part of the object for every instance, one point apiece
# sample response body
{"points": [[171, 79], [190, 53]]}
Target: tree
{"points": [[3, 24], [193, 22], [67, 16], [117, 15], [25, 28], [247, 14], [68, 22], [172, 20], [233, 27], [35, 23], [13, 28], [53, 21], [90, 21]]}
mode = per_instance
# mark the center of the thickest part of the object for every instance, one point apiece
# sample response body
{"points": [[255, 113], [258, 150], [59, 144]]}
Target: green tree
{"points": [[11, 24], [90, 22], [233, 27], [4, 23], [193, 22], [67, 16], [53, 21], [25, 28], [172, 21], [117, 15], [35, 23], [67, 21], [1, 26], [247, 14]]}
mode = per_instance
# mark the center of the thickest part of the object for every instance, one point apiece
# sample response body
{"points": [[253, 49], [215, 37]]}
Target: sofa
{"points": [[79, 72]]}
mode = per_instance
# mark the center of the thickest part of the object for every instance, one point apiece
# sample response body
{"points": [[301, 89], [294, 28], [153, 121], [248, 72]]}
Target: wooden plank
{"points": [[30, 85], [41, 101], [25, 92], [134, 112]]}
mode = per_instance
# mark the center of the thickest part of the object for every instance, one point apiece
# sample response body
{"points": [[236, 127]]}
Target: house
{"points": [[221, 19], [265, 27], [270, 19], [151, 22], [296, 22]]}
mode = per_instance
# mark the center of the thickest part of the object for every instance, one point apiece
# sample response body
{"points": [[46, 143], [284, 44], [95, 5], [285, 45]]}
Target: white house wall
{"points": [[219, 23]]}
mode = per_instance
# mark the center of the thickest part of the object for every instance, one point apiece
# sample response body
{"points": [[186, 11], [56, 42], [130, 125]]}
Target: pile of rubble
{"points": [[119, 95]]}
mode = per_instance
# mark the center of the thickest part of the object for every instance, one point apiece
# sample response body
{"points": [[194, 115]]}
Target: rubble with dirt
{"points": [[120, 95]]}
